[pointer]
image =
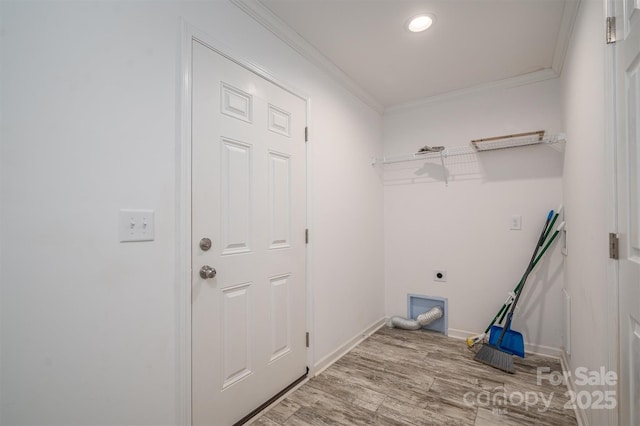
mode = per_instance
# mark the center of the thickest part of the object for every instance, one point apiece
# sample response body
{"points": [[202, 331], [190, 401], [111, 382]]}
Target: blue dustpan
{"points": [[512, 342]]}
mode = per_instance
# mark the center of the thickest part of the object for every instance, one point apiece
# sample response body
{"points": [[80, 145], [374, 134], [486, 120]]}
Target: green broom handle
{"points": [[533, 261], [493, 321], [546, 234], [505, 307], [544, 249]]}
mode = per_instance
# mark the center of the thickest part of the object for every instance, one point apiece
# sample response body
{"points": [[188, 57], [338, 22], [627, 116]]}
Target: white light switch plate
{"points": [[136, 225]]}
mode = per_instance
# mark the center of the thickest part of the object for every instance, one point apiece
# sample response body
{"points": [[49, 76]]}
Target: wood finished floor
{"points": [[400, 377]]}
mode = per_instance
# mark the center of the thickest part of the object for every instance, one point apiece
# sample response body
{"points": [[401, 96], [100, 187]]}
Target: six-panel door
{"points": [[249, 198]]}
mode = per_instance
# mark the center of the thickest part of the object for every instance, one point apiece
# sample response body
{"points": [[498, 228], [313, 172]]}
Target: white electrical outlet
{"points": [[439, 275], [516, 222], [136, 225]]}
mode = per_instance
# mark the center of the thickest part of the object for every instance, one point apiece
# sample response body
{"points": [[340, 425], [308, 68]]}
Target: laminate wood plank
{"points": [[316, 397], [400, 377], [309, 396], [384, 382], [520, 415], [335, 411], [436, 412], [389, 350], [557, 395], [308, 417], [282, 411], [487, 417], [388, 363], [265, 421], [348, 389], [394, 370]]}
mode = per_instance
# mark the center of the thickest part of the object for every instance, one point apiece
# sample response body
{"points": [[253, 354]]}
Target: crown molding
{"points": [[521, 80], [261, 14], [569, 14]]}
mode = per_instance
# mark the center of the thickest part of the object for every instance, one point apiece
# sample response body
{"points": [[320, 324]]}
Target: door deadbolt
{"points": [[207, 272], [205, 244]]}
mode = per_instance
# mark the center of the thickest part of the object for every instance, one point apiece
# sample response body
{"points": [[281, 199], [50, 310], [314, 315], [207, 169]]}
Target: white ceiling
{"points": [[473, 43]]}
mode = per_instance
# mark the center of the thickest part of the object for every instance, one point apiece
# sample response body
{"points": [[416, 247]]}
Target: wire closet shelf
{"points": [[476, 145]]}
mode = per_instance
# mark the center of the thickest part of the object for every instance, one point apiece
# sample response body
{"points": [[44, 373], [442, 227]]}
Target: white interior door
{"points": [[249, 199], [628, 111]]}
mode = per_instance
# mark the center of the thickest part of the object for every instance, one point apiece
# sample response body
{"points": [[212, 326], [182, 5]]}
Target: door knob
{"points": [[207, 272], [205, 244]]}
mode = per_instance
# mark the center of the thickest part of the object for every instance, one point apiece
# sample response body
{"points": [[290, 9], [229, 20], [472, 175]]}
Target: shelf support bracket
{"points": [[444, 169]]}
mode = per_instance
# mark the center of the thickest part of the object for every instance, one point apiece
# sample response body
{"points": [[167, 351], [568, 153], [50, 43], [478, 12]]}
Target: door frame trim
{"points": [[611, 169], [189, 33]]}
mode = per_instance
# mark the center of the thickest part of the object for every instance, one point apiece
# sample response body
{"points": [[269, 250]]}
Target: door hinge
{"points": [[614, 246], [306, 134], [306, 236], [307, 339], [611, 29]]}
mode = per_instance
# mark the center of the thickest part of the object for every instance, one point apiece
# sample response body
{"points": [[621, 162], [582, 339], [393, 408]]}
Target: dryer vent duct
{"points": [[422, 320]]}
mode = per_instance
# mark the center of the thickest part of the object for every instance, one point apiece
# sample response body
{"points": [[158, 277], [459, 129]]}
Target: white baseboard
{"points": [[528, 347], [460, 334], [326, 361], [548, 351]]}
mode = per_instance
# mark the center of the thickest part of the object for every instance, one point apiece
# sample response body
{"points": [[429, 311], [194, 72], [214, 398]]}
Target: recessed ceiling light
{"points": [[420, 23]]}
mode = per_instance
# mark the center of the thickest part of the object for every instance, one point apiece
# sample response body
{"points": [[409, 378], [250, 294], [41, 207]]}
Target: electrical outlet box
{"points": [[440, 275], [516, 222], [136, 225]]}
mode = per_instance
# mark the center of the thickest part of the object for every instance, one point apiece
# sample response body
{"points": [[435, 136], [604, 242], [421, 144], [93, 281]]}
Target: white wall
{"points": [[586, 192], [463, 228], [89, 107]]}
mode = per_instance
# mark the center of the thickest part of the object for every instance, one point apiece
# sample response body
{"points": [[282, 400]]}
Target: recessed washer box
{"points": [[419, 304]]}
